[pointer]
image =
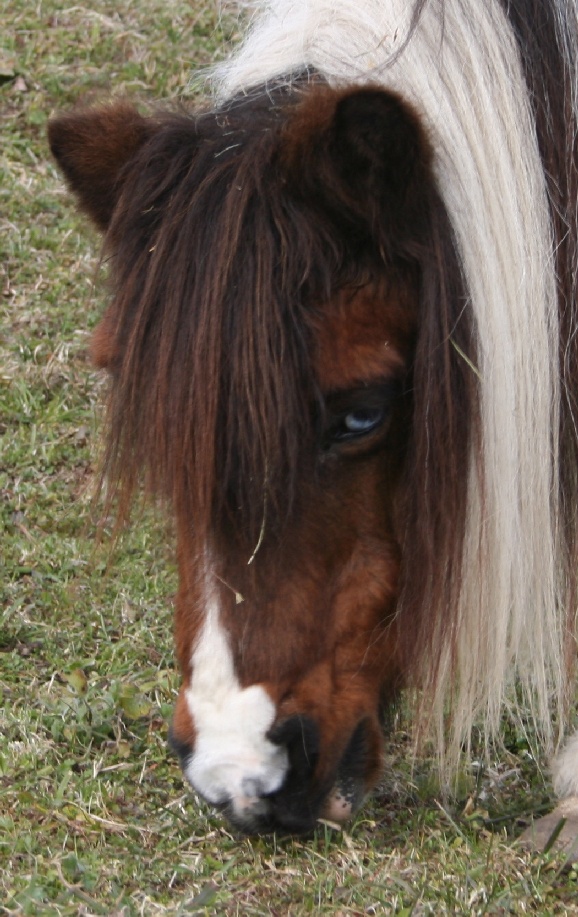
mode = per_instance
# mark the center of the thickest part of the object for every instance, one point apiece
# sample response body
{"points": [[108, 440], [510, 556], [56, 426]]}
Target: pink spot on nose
{"points": [[338, 807]]}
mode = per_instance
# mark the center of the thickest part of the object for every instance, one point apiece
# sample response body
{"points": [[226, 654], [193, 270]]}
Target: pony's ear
{"points": [[364, 156], [91, 146]]}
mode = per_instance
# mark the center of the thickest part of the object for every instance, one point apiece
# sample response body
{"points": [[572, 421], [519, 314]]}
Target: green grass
{"points": [[94, 816]]}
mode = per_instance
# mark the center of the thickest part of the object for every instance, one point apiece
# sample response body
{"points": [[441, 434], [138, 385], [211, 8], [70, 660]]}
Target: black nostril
{"points": [[361, 757], [353, 764], [300, 736], [294, 808]]}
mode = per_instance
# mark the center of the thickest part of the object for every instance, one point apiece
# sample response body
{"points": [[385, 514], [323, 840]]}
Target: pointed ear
{"points": [[92, 146], [364, 156]]}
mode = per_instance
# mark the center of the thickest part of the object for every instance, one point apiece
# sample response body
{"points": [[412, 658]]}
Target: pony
{"points": [[342, 342]]}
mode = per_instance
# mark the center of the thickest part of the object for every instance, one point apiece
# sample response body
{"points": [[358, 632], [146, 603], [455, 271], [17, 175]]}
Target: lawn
{"points": [[94, 815]]}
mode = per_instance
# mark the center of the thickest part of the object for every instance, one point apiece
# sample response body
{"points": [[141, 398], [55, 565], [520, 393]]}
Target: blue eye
{"points": [[357, 423], [352, 414]]}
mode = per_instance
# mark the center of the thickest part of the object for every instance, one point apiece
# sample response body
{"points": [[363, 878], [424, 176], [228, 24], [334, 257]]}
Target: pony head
{"points": [[283, 341]]}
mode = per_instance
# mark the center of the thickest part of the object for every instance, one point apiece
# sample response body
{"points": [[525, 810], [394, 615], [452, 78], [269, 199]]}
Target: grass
{"points": [[94, 816]]}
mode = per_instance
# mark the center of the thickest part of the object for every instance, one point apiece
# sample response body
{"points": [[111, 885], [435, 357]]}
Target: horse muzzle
{"points": [[284, 785]]}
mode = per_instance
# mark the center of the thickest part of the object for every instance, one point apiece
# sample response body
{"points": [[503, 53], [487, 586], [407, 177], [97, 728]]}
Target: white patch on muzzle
{"points": [[233, 761]]}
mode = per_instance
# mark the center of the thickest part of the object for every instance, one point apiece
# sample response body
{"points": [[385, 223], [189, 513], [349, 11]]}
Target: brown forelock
{"points": [[212, 390], [216, 260]]}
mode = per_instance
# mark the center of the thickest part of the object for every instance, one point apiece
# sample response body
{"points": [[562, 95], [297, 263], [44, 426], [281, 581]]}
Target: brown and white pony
{"points": [[343, 346]]}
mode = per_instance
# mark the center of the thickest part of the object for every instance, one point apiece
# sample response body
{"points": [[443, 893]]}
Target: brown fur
{"points": [[92, 145]]}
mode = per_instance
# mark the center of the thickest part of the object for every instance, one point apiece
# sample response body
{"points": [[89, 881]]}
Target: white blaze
{"points": [[233, 760]]}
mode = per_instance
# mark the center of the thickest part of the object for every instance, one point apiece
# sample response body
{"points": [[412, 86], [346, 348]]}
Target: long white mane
{"points": [[458, 62]]}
